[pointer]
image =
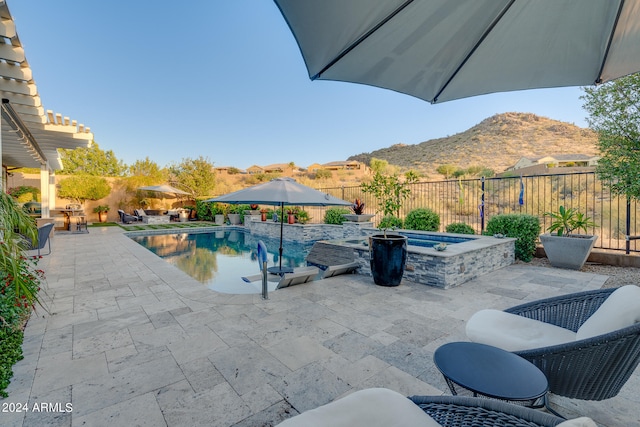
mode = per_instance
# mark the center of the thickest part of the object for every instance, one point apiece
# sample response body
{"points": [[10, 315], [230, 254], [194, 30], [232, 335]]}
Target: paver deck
{"points": [[131, 340]]}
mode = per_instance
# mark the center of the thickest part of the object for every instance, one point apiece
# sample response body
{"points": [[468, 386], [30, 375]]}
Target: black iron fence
{"points": [[475, 201]]}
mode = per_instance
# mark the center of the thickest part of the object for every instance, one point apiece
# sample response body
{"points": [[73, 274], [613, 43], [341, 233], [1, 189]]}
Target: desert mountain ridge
{"points": [[497, 142]]}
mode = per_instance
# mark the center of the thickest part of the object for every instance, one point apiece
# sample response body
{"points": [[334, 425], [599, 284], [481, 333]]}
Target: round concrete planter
{"points": [[358, 218], [568, 251]]}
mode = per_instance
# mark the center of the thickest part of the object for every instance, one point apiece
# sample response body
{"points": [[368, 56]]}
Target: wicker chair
{"points": [[590, 369], [462, 411]]}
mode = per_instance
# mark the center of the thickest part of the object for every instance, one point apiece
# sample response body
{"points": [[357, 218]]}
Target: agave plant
{"points": [[566, 221]]}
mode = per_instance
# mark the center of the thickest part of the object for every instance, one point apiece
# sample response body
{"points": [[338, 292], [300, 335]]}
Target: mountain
{"points": [[497, 143]]}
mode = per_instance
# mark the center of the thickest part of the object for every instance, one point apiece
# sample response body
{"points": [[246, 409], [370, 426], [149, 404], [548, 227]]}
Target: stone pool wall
{"points": [[459, 263]]}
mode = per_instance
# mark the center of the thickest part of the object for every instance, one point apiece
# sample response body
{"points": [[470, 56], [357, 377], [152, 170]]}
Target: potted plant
{"points": [[102, 211], [358, 212], [564, 249], [183, 214], [387, 256], [291, 216], [218, 211], [302, 216], [234, 214], [253, 210]]}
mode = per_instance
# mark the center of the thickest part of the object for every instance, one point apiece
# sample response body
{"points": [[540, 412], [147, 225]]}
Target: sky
{"points": [[225, 80]]}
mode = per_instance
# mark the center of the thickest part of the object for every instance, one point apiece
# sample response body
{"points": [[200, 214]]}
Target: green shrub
{"points": [[203, 210], [334, 215], [390, 221], [525, 228], [422, 219], [460, 228]]}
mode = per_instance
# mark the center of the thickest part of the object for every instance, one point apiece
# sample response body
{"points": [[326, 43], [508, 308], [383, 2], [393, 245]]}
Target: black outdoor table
{"points": [[492, 372]]}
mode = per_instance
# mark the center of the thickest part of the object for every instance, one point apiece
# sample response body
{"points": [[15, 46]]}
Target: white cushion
{"points": [[141, 212], [578, 422], [619, 310], [365, 408], [514, 333]]}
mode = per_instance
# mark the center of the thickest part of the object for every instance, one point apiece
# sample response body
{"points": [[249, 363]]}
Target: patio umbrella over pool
{"points": [[439, 50], [280, 192]]}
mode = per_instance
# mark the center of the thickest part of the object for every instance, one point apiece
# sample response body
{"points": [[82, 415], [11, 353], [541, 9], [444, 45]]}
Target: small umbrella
{"points": [[164, 188], [439, 50], [280, 192]]}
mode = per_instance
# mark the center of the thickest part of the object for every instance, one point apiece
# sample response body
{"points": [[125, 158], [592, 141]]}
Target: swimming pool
{"points": [[428, 240], [219, 259]]}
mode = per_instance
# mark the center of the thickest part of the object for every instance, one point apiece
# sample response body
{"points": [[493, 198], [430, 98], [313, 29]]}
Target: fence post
{"points": [[482, 205], [627, 242]]}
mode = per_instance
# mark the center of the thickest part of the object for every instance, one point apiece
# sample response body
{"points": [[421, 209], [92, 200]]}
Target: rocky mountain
{"points": [[497, 143]]}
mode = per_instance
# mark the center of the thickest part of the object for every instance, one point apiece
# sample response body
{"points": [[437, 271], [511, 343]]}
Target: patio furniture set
{"points": [[584, 346]]}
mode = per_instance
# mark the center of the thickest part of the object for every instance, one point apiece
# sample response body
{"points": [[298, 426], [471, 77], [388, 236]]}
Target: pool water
{"points": [[220, 259], [428, 240]]}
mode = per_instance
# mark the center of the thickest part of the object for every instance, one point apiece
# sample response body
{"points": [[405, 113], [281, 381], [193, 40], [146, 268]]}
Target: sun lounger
{"points": [[334, 270], [299, 275]]}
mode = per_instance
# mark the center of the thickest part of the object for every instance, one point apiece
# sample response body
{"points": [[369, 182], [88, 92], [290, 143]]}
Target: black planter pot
{"points": [[388, 257]]}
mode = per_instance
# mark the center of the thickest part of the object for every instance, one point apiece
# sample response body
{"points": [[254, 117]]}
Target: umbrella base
{"points": [[280, 270]]}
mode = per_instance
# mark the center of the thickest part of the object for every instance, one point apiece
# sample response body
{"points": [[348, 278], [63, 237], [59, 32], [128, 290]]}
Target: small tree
{"points": [[614, 113], [194, 175], [91, 161], [83, 187], [390, 191], [447, 170]]}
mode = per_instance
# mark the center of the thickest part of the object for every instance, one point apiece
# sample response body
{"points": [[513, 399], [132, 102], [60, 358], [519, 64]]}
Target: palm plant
{"points": [[566, 221]]}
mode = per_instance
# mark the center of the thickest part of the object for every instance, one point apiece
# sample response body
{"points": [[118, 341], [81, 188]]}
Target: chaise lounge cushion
{"points": [[620, 310], [374, 407], [512, 332]]}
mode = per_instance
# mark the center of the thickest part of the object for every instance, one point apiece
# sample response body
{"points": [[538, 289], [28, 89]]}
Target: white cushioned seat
{"points": [[514, 333], [374, 407], [619, 310]]}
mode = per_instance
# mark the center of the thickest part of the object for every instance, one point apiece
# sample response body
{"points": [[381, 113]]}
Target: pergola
{"points": [[29, 137]]}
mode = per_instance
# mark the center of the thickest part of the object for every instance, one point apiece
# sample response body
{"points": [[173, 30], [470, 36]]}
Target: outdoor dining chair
{"points": [[43, 239]]}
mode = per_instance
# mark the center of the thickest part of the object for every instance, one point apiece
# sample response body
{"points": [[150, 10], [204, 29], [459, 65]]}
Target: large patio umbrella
{"points": [[439, 50], [280, 192]]}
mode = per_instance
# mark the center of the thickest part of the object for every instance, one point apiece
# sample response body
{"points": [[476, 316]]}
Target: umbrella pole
{"points": [[281, 227]]}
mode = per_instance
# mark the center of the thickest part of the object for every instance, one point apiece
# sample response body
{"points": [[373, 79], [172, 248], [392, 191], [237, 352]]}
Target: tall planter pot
{"points": [[388, 258], [568, 251]]}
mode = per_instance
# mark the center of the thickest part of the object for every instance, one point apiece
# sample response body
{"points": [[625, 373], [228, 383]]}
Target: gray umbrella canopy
{"points": [[166, 189], [280, 192], [440, 50]]}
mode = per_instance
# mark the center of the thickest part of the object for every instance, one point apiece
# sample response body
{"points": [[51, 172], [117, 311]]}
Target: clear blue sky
{"points": [[225, 80]]}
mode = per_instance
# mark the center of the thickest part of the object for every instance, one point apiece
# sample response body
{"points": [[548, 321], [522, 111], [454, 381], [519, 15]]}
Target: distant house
{"points": [[254, 169], [227, 170], [556, 160], [348, 165]]}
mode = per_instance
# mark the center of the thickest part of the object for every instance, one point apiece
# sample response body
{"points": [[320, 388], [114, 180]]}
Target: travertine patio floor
{"points": [[131, 340]]}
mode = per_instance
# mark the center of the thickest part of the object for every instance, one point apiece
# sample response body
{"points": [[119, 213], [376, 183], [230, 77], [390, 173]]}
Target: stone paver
{"points": [[131, 340]]}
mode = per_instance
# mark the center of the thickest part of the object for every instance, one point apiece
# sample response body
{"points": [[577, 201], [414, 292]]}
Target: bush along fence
{"points": [[475, 201]]}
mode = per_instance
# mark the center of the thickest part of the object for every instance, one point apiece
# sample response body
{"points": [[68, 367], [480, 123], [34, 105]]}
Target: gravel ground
{"points": [[618, 276]]}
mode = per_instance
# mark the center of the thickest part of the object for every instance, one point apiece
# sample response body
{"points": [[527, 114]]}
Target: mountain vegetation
{"points": [[495, 143]]}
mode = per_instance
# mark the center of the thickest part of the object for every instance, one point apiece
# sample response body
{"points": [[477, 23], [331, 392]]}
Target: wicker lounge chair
{"points": [[125, 218], [594, 368], [462, 411]]}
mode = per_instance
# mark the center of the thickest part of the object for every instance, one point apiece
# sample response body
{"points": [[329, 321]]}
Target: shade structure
{"points": [[165, 189], [440, 50], [280, 192]]}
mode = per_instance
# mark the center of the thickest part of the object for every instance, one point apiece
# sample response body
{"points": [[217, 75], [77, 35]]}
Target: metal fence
{"points": [[475, 201]]}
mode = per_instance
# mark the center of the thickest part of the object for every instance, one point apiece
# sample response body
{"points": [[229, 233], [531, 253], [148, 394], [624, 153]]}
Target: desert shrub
{"points": [[525, 228], [390, 221], [460, 228], [334, 215], [422, 219]]}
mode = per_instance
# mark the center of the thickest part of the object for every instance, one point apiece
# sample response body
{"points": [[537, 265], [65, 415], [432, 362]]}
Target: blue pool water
{"points": [[220, 259], [428, 239]]}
